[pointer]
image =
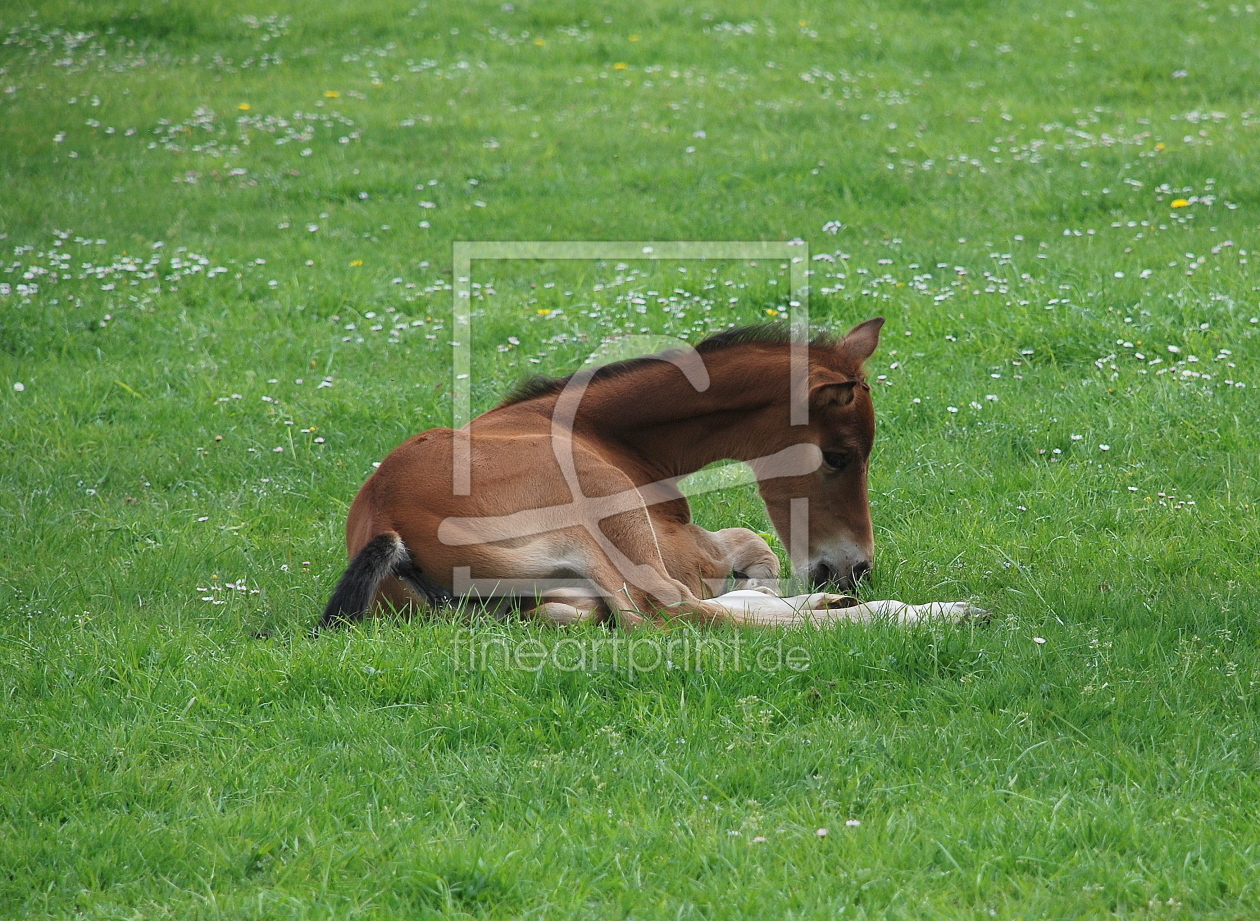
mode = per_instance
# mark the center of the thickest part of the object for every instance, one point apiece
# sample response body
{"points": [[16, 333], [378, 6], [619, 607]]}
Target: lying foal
{"points": [[563, 500]]}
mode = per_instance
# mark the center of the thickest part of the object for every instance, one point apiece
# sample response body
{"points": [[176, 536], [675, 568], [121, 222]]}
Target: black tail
{"points": [[383, 556]]}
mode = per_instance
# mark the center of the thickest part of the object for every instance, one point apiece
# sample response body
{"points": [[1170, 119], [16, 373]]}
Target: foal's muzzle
{"points": [[823, 576]]}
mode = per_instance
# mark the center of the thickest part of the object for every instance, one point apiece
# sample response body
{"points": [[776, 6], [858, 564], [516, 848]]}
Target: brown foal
{"points": [[573, 514]]}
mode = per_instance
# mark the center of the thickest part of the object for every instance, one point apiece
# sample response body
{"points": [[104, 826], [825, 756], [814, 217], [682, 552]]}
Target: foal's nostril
{"points": [[824, 577], [820, 575]]}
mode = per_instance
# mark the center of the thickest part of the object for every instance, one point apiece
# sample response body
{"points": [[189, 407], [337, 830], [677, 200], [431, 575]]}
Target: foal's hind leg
{"points": [[564, 607]]}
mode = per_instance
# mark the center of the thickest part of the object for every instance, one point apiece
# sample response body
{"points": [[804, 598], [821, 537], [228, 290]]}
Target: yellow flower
{"points": [[1180, 203], [357, 262], [634, 38], [244, 107], [539, 42], [771, 312], [331, 94], [1159, 146], [619, 66]]}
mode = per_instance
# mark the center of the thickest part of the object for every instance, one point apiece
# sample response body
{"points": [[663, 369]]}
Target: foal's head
{"points": [[842, 425]]}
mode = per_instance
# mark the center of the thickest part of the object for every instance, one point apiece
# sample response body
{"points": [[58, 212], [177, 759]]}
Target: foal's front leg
{"points": [[755, 609], [749, 559], [897, 612], [731, 555]]}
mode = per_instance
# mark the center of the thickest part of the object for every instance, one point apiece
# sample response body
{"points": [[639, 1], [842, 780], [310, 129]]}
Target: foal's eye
{"points": [[837, 461]]}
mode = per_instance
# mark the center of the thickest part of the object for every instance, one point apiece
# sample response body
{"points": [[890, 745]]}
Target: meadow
{"points": [[226, 238]]}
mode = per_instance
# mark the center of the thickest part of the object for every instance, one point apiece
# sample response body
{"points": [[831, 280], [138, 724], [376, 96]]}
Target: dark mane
{"points": [[762, 334]]}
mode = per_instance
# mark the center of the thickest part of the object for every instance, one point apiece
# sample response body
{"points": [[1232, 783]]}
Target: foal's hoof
{"points": [[832, 602], [954, 612]]}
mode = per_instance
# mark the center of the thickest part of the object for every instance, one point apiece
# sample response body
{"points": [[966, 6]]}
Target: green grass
{"points": [[177, 746]]}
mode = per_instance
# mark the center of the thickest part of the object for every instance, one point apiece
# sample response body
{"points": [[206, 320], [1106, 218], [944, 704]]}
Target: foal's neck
{"points": [[676, 430]]}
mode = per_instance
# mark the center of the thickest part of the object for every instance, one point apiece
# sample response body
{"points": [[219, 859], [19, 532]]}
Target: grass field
{"points": [[225, 292]]}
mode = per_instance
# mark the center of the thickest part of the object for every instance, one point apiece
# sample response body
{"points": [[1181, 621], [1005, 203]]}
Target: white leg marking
{"points": [[823, 609]]}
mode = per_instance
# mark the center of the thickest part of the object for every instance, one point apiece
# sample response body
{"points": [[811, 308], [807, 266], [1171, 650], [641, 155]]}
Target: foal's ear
{"points": [[831, 393], [862, 340]]}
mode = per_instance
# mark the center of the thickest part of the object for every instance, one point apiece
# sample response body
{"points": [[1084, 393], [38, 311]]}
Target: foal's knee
{"points": [[748, 554]]}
